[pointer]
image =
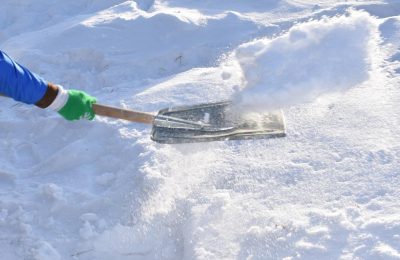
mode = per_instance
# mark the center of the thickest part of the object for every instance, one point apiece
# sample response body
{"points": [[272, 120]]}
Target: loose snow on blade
{"points": [[311, 59]]}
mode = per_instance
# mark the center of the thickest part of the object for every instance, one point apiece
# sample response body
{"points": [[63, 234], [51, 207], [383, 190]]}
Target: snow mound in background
{"points": [[126, 44], [313, 58]]}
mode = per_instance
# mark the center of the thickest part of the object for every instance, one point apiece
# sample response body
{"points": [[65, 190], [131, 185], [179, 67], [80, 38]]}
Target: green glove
{"points": [[78, 106]]}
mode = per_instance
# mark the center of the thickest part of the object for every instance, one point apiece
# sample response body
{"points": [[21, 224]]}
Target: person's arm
{"points": [[25, 86]]}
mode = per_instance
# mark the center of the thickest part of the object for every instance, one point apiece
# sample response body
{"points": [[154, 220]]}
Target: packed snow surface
{"points": [[103, 190]]}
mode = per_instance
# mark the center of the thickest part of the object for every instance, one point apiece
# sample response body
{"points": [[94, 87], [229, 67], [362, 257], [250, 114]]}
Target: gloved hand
{"points": [[78, 106]]}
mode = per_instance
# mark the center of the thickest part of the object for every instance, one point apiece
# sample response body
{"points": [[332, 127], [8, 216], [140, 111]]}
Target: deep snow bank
{"points": [[313, 58]]}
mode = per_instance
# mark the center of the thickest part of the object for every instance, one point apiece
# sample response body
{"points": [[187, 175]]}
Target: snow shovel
{"points": [[202, 123]]}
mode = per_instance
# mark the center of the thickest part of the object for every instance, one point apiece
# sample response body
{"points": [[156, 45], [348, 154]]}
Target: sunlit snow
{"points": [[103, 190]]}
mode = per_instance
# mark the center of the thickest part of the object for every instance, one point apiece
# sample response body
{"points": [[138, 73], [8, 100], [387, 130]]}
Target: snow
{"points": [[104, 190], [346, 44]]}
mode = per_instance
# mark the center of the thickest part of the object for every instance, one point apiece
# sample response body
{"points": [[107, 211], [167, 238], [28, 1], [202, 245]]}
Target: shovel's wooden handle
{"points": [[114, 112]]}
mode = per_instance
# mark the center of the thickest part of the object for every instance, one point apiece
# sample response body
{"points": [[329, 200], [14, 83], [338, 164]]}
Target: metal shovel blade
{"points": [[214, 122]]}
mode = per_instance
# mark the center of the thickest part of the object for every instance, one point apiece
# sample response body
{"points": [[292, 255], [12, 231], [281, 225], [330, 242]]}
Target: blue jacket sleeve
{"points": [[19, 83]]}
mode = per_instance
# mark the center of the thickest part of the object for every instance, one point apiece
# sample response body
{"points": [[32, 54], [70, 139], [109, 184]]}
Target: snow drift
{"points": [[311, 59]]}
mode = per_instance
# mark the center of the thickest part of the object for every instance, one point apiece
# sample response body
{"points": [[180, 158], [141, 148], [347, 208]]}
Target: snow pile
{"points": [[313, 58]]}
